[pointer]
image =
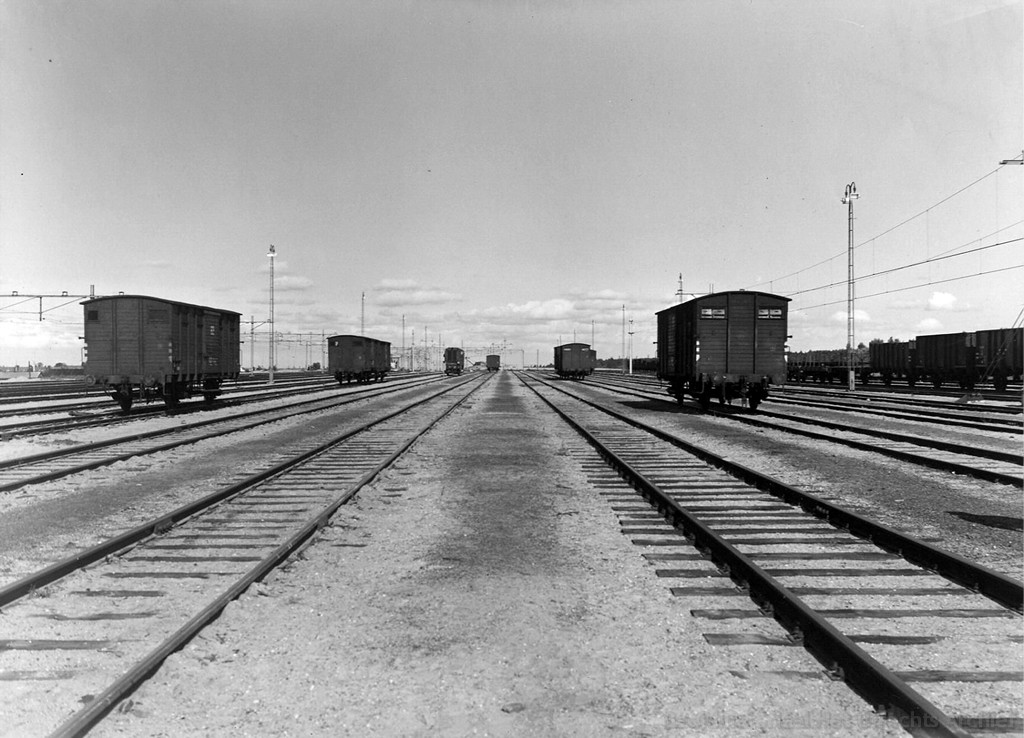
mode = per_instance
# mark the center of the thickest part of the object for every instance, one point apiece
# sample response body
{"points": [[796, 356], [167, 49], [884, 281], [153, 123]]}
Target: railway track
{"points": [[23, 421], [998, 414], [61, 462], [1011, 394], [163, 581], [926, 637], [994, 462], [1008, 422]]}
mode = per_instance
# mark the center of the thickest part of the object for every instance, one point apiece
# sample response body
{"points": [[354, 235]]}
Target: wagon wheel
{"points": [[123, 396], [755, 398], [211, 388], [999, 380], [170, 394], [705, 398]]}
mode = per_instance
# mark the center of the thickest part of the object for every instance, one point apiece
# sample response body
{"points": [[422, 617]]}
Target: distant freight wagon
{"points": [[574, 360], [967, 358], [140, 347], [358, 358], [970, 358], [454, 360], [493, 362], [724, 345]]}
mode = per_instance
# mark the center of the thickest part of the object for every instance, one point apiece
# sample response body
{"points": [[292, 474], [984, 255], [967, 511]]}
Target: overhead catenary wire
{"points": [[883, 233], [940, 257], [917, 286]]}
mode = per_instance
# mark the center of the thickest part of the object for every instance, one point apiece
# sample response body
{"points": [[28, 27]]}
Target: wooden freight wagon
{"points": [[358, 358], [724, 345], [493, 362], [574, 360], [140, 347], [454, 360]]}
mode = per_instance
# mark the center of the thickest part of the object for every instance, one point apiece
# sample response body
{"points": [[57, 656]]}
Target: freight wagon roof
{"points": [[158, 299], [574, 345], [715, 295], [945, 335], [362, 338]]}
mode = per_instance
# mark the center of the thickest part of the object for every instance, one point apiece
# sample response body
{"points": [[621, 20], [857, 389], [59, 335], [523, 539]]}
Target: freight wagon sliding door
{"points": [[128, 327], [770, 339], [742, 330], [186, 341], [213, 343], [668, 343], [100, 339]]}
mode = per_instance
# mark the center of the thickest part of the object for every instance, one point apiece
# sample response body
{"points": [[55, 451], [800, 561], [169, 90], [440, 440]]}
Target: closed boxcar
{"points": [[1000, 355], [358, 358], [724, 345], [574, 360], [493, 362], [454, 360], [140, 347]]}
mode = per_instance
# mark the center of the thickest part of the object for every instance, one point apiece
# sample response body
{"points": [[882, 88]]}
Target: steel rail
{"points": [[86, 718], [840, 655]]}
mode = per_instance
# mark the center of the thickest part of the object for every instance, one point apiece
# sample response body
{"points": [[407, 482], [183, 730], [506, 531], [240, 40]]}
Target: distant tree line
{"points": [[639, 365]]}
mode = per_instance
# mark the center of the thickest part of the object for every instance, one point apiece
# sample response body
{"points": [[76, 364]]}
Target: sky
{"points": [[506, 176]]}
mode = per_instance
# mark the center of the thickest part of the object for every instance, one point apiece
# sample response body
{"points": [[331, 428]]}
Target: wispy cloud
{"points": [[400, 292]]}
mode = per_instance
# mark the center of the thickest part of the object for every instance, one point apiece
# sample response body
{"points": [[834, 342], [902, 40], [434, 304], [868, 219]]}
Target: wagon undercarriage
{"points": [[171, 391]]}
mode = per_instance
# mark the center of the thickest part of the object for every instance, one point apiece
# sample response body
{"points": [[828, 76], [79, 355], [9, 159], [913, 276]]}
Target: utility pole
{"points": [[679, 292], [362, 315], [623, 339], [630, 345], [848, 198], [272, 253]]}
